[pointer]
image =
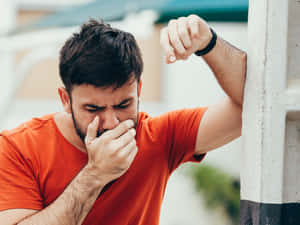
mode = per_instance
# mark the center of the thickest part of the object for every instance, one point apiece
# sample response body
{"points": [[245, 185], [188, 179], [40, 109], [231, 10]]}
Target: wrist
{"points": [[210, 46], [97, 179]]}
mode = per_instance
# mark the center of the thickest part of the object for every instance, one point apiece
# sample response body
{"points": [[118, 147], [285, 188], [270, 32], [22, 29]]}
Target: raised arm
{"points": [[222, 122]]}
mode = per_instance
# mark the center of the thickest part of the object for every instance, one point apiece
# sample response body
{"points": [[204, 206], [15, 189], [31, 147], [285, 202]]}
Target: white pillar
{"points": [[270, 178], [8, 20]]}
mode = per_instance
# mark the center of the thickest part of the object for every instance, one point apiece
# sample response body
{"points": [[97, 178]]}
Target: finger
{"points": [[91, 133], [119, 130], [183, 31], [174, 38], [166, 46], [132, 155], [126, 151], [193, 26], [125, 139]]}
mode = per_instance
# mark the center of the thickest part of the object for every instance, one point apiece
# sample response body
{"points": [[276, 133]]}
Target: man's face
{"points": [[112, 106]]}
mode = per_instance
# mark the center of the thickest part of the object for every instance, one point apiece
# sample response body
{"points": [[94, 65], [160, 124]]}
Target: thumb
{"points": [[91, 133], [170, 56]]}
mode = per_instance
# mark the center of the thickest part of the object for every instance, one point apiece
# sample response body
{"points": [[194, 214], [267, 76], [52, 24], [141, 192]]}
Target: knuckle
{"points": [[129, 124], [193, 17], [172, 22], [193, 22], [125, 125], [182, 18], [132, 132]]}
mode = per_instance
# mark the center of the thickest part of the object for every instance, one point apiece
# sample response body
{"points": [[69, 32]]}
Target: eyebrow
{"points": [[103, 107]]}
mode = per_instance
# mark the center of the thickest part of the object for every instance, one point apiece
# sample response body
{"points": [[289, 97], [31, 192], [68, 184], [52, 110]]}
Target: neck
{"points": [[65, 125]]}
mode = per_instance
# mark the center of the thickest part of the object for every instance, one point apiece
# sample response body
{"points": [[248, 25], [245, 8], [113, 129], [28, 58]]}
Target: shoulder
{"points": [[24, 136], [35, 124], [166, 123], [177, 116]]}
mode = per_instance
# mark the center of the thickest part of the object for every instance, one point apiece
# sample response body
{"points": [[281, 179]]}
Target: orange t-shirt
{"points": [[37, 163]]}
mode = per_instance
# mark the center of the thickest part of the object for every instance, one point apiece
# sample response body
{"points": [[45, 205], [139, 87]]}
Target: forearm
{"points": [[229, 66], [73, 205]]}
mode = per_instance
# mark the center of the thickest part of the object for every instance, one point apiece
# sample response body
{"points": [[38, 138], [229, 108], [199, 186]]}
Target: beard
{"points": [[82, 134], [79, 131]]}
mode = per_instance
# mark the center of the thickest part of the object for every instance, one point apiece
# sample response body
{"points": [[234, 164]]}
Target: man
{"points": [[101, 161]]}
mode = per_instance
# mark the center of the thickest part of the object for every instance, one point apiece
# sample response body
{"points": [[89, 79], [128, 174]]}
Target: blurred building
{"points": [[155, 89], [47, 69]]}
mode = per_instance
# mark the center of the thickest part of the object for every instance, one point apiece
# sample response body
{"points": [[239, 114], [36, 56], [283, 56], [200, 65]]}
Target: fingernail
{"points": [[172, 58], [96, 119]]}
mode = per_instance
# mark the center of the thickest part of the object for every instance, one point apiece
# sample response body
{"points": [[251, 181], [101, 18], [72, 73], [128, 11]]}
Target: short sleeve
{"points": [[18, 184], [182, 133]]}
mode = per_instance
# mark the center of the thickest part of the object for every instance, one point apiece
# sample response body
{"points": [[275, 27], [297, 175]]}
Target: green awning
{"points": [[210, 10], [113, 10]]}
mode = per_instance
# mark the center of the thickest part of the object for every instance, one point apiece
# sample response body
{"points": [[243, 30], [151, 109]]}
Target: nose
{"points": [[109, 120]]}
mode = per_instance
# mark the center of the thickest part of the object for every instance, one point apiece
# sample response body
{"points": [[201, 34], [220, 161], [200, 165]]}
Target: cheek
{"points": [[129, 113], [84, 118]]}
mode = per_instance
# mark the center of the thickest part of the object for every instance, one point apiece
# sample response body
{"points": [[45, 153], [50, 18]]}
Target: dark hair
{"points": [[101, 56]]}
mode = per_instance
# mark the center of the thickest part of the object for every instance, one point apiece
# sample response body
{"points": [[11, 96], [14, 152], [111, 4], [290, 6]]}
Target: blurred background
{"points": [[33, 31]]}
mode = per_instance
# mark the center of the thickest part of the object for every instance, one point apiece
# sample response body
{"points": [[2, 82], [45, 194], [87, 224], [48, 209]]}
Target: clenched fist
{"points": [[111, 154], [184, 36]]}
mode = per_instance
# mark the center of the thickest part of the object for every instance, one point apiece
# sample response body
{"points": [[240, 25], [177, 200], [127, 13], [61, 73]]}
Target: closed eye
{"points": [[92, 108], [123, 106]]}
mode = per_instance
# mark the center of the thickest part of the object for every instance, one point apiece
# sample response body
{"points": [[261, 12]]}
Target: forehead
{"points": [[86, 93]]}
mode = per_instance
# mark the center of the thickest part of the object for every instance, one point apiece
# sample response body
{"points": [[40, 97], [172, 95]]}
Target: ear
{"points": [[65, 99], [139, 88]]}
